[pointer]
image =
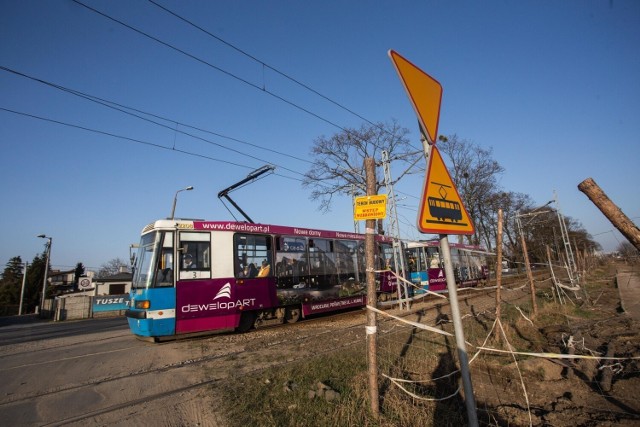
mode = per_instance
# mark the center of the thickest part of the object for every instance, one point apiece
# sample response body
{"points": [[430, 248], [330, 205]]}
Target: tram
{"points": [[444, 209], [426, 268], [194, 276]]}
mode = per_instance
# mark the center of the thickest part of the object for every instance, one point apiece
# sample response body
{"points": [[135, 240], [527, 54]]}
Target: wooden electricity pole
{"points": [[372, 321], [611, 211]]}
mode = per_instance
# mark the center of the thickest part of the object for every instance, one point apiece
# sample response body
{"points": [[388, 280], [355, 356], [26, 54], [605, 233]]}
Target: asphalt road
{"points": [[16, 330], [93, 372]]}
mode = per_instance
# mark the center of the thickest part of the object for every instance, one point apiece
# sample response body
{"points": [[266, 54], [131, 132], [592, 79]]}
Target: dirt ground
{"points": [[584, 392]]}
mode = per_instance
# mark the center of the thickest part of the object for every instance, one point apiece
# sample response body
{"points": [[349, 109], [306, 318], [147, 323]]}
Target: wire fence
{"points": [[576, 362]]}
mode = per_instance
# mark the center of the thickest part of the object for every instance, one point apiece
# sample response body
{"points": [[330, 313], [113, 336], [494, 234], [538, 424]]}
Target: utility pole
{"points": [[372, 321], [46, 271], [394, 233], [356, 223], [613, 213], [24, 281]]}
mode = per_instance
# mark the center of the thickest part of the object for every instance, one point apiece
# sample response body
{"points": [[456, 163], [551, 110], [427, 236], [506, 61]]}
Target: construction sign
{"points": [[425, 94], [441, 209], [370, 207]]}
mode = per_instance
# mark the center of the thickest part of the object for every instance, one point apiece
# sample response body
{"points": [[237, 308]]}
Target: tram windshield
{"points": [[146, 260]]}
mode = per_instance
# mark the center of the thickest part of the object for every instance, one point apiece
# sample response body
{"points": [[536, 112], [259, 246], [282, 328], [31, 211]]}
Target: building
{"points": [[116, 284], [61, 282]]}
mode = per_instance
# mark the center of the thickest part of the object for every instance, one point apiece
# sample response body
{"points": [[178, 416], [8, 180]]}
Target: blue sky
{"points": [[551, 86]]}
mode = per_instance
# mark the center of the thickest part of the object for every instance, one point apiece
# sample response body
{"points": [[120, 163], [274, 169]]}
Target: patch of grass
{"points": [[280, 396]]}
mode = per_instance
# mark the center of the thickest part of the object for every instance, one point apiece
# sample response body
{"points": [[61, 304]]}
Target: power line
{"points": [[215, 67], [123, 109], [264, 64], [234, 76], [138, 141]]}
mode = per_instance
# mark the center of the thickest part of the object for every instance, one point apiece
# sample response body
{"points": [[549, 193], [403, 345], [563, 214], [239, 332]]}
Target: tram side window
{"points": [[292, 265], [433, 258], [322, 263], [165, 270], [459, 270], [346, 254], [386, 261], [418, 260], [412, 260], [196, 253], [252, 256]]}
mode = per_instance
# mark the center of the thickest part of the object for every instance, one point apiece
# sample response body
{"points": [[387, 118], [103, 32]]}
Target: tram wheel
{"points": [[292, 314], [247, 321]]}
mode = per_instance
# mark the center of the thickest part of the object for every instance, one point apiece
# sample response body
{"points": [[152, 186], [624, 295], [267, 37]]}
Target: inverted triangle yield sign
{"points": [[441, 208], [424, 91]]}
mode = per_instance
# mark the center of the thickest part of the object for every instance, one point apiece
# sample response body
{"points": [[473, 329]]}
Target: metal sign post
{"points": [[463, 359], [442, 211]]}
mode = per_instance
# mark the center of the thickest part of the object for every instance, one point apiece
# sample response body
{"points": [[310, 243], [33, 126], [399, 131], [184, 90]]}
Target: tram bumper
{"points": [[135, 314]]}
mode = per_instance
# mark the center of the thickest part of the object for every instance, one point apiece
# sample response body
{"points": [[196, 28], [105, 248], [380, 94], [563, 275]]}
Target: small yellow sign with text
{"points": [[370, 207]]}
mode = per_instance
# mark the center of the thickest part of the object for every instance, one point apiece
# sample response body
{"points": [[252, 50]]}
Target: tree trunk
{"points": [[611, 211]]}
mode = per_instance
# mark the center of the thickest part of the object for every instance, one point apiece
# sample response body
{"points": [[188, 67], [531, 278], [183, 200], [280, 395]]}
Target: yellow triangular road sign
{"points": [[441, 208], [424, 91]]}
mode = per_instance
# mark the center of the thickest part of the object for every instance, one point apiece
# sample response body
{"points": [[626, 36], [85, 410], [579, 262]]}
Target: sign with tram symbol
{"points": [[441, 208]]}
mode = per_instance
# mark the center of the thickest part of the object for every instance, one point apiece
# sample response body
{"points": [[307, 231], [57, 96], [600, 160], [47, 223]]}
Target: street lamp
{"points": [[175, 199], [24, 281], [46, 270]]}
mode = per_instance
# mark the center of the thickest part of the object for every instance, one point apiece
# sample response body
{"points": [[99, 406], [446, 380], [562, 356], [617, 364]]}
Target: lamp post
{"points": [[175, 199], [46, 270], [24, 281]]}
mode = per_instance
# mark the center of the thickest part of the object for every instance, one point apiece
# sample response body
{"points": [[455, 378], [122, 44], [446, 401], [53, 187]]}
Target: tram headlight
{"points": [[143, 304]]}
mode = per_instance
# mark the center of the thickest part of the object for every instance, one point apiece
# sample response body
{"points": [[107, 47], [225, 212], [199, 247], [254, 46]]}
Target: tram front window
{"points": [[145, 261]]}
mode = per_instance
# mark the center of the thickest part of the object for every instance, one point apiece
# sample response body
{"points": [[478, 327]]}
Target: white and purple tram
{"points": [[426, 267], [194, 276]]}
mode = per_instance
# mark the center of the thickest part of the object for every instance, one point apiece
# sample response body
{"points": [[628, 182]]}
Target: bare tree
{"points": [[541, 229], [337, 167], [475, 174], [111, 267]]}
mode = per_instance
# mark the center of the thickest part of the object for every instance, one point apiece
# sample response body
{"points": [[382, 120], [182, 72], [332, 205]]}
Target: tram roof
{"points": [[245, 227]]}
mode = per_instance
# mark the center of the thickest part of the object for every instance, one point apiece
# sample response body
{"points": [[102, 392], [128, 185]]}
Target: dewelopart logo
{"points": [[225, 294], [225, 291]]}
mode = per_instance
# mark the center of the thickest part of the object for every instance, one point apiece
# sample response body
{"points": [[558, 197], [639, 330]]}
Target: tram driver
{"points": [[188, 263]]}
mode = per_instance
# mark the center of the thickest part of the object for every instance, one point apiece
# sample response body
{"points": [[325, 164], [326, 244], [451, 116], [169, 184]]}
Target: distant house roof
{"points": [[118, 277]]}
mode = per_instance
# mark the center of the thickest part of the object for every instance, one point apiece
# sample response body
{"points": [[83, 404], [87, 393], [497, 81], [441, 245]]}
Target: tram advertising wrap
{"points": [[202, 276]]}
